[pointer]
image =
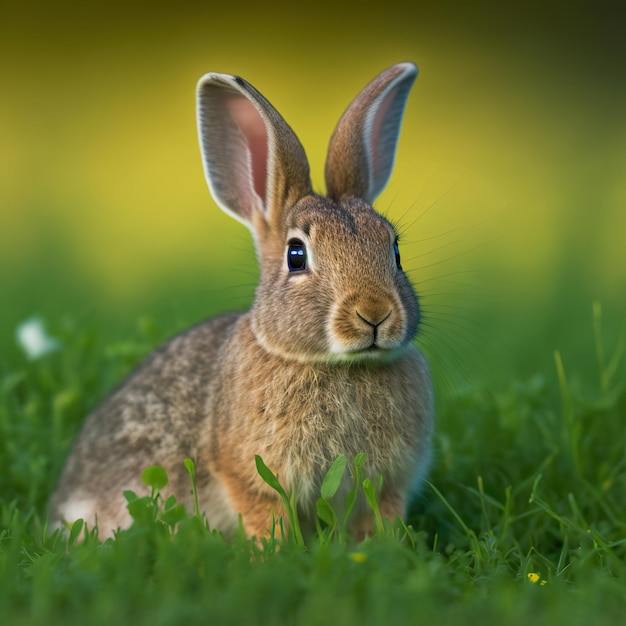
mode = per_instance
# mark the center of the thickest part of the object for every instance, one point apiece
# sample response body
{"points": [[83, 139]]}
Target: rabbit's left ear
{"points": [[362, 149], [253, 162]]}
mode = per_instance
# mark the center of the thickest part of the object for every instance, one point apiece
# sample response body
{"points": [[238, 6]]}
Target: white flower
{"points": [[32, 338]]}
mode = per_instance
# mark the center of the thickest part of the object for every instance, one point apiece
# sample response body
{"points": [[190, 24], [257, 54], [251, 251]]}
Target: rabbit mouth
{"points": [[373, 351], [367, 327], [373, 348]]}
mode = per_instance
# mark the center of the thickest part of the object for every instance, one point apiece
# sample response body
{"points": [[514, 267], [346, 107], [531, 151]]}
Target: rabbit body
{"points": [[323, 364]]}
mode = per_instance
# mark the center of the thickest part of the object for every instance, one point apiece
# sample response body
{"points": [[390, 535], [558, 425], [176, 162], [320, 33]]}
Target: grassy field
{"points": [[523, 517], [509, 190]]}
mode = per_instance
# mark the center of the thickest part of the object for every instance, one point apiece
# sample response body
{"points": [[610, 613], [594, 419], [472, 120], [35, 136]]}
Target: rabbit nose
{"points": [[373, 309], [373, 318]]}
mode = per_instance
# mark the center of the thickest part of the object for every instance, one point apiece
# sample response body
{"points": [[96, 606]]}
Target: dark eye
{"points": [[296, 255], [396, 251]]}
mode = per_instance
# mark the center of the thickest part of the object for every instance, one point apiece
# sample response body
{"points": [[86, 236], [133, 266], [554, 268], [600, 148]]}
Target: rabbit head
{"points": [[332, 287]]}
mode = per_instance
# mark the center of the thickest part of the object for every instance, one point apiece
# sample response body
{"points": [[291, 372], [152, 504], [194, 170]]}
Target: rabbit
{"points": [[322, 364]]}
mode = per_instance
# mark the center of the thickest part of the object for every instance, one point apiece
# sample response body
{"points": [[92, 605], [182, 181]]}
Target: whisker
{"points": [[456, 256], [433, 204]]}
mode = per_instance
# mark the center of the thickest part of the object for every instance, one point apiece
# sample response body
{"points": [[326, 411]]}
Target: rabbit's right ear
{"points": [[253, 162], [363, 147]]}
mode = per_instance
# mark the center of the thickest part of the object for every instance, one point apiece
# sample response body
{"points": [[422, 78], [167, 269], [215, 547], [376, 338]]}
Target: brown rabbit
{"points": [[322, 364]]}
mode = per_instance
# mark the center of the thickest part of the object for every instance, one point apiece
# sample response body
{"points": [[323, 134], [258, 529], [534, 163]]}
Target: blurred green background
{"points": [[509, 186]]}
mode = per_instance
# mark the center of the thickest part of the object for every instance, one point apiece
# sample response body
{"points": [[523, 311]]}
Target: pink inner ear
{"points": [[251, 124]]}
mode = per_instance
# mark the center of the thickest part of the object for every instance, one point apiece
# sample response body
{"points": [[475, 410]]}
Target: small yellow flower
{"points": [[358, 557], [533, 577]]}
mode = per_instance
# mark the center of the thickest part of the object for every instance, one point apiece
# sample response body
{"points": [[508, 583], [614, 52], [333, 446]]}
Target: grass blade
{"points": [[291, 509], [333, 477]]}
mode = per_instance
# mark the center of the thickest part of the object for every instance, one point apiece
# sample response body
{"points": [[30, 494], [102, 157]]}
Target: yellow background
{"points": [[509, 183]]}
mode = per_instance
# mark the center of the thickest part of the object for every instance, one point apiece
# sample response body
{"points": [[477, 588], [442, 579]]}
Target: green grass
{"points": [[528, 485]]}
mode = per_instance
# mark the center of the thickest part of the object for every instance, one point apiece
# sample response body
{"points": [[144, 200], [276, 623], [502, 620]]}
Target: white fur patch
{"points": [[78, 508]]}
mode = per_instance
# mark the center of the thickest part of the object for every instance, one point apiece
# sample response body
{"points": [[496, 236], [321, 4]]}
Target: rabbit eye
{"points": [[396, 251], [296, 255]]}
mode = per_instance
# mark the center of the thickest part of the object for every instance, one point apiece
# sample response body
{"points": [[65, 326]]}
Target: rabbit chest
{"points": [[299, 417]]}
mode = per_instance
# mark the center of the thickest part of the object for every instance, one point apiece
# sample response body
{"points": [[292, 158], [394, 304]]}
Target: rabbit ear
{"points": [[362, 149], [253, 162]]}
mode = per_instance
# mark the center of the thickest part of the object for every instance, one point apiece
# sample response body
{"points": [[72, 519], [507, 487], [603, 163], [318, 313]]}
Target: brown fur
{"points": [[321, 365]]}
